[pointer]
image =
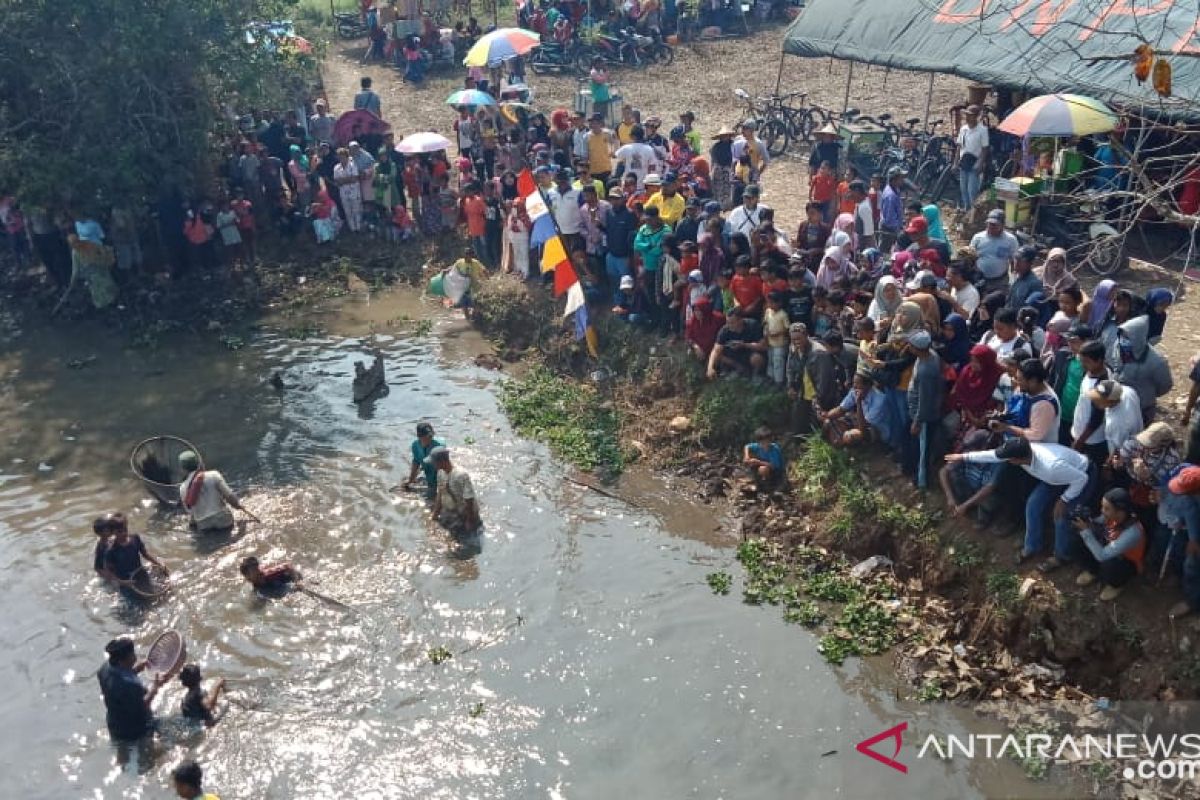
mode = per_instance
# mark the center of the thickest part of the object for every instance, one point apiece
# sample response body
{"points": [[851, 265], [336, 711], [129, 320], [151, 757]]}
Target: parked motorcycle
{"points": [[629, 48], [555, 57], [1080, 226], [350, 25]]}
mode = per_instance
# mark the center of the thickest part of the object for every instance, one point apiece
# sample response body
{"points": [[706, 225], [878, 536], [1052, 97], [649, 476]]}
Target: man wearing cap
{"points": [[1024, 281], [891, 208], [721, 156], [748, 216], [206, 496], [702, 328], [620, 228], [320, 124], [972, 156], [994, 248], [637, 158], [1066, 479], [650, 244], [1180, 510], [629, 305], [594, 218], [600, 146], [688, 228], [565, 200], [454, 505], [925, 391], [749, 144], [1122, 414], [422, 446], [864, 215], [828, 148], [809, 377], [667, 200], [917, 230], [126, 701]]}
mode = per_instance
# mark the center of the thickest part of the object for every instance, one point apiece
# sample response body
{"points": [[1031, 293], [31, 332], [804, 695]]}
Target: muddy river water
{"points": [[590, 658]]}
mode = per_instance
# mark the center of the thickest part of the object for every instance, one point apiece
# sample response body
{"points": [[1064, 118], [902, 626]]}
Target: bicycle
{"points": [[767, 112]]}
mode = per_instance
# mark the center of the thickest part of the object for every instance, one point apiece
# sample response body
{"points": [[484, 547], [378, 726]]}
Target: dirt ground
{"points": [[702, 79]]}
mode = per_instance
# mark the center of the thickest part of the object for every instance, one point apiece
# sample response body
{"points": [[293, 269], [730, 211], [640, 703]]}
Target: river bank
{"points": [[945, 608]]}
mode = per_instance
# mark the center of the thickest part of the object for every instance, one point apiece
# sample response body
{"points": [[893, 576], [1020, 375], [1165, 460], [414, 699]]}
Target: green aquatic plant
{"points": [[832, 587], [719, 582], [439, 654], [808, 614], [570, 417], [233, 342], [865, 628], [476, 710]]}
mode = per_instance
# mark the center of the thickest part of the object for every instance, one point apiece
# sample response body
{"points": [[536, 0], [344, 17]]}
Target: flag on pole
{"points": [[526, 185]]}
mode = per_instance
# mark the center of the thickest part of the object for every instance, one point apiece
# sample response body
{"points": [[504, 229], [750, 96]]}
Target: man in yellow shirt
{"points": [[667, 199], [600, 149]]}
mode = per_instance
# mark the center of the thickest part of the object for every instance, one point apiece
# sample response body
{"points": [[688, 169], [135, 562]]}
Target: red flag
{"points": [[564, 278], [526, 185]]}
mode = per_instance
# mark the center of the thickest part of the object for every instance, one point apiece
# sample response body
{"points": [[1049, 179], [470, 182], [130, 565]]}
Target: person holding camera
{"points": [[1118, 553]]}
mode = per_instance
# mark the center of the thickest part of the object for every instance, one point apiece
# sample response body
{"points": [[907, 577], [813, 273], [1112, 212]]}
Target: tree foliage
{"points": [[103, 101]]}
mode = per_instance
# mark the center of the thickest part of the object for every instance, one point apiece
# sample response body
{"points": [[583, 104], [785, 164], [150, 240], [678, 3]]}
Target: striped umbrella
{"points": [[494, 48], [1060, 115], [470, 97]]}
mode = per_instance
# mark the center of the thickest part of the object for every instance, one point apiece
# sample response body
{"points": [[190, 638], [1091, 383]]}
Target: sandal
{"points": [[1050, 564]]}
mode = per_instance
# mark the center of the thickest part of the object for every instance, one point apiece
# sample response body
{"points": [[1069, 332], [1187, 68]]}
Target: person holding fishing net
{"points": [[207, 497], [123, 558]]}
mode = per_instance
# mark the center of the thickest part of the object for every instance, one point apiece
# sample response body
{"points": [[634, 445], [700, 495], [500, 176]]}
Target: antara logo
{"points": [[894, 734]]}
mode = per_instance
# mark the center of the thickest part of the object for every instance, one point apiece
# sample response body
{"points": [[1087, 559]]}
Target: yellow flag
{"points": [[553, 254]]}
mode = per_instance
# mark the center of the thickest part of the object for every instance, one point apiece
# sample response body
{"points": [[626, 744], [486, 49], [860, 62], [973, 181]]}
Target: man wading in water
{"points": [[454, 505], [207, 497]]}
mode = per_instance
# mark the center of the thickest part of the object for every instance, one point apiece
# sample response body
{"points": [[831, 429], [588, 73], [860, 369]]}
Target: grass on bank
{"points": [[569, 416]]}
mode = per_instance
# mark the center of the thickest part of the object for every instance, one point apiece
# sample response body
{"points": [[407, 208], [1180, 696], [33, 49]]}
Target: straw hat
{"points": [[724, 131], [829, 129]]}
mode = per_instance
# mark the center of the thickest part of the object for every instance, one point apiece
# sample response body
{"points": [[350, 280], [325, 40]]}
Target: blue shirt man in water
{"points": [[420, 449]]}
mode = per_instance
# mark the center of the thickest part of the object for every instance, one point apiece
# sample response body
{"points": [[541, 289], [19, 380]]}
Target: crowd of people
{"points": [[984, 368]]}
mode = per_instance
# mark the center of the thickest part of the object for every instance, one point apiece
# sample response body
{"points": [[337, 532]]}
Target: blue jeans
{"points": [[616, 268], [897, 400], [1041, 499], [923, 438], [480, 245], [1186, 509], [968, 185]]}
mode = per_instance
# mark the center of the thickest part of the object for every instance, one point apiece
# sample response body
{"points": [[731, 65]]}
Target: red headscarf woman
{"points": [[972, 392]]}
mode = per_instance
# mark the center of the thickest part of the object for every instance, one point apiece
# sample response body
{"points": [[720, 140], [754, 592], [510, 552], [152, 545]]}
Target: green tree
{"points": [[103, 101]]}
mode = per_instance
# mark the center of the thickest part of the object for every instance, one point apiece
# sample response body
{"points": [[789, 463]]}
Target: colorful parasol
{"points": [[1060, 115], [512, 110], [496, 47], [470, 97], [426, 142]]}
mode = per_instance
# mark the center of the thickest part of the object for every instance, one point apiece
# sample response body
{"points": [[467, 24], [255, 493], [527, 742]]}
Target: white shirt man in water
{"points": [[455, 505], [206, 495]]}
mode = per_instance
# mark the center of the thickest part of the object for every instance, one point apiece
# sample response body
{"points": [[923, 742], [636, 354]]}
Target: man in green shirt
{"points": [[421, 447], [1068, 375]]}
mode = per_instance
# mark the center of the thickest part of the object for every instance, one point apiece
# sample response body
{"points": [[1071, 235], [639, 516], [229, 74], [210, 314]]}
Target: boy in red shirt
{"points": [[747, 288], [474, 210], [702, 329], [822, 190], [244, 210], [275, 576]]}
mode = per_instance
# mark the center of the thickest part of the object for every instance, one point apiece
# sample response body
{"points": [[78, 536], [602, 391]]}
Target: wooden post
{"points": [[779, 77], [929, 97], [849, 77]]}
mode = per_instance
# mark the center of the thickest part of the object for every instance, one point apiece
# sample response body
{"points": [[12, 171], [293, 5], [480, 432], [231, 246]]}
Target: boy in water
{"points": [[421, 447], [275, 576], [103, 528], [188, 778], [198, 704]]}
